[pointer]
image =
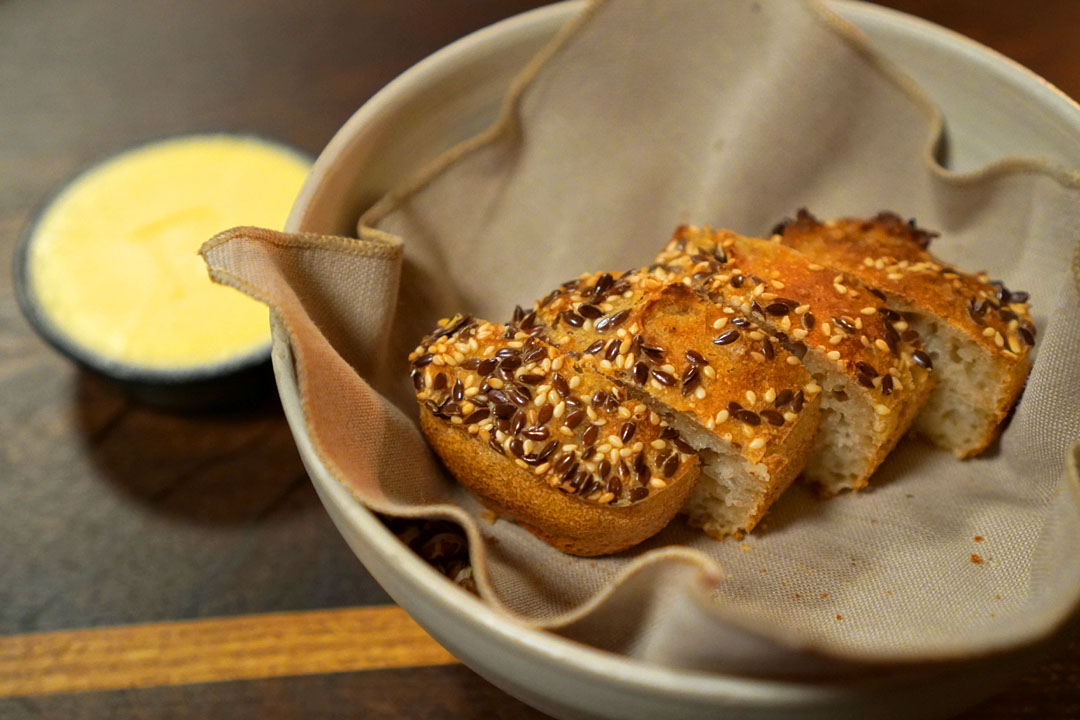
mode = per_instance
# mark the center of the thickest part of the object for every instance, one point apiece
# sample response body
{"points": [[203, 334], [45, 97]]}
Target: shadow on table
{"points": [[214, 467]]}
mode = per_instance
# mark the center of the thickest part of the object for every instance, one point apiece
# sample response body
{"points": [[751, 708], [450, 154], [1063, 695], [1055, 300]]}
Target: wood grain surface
{"points": [[215, 650], [116, 513]]}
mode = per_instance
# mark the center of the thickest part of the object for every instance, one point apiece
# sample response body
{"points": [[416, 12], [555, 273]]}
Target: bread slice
{"points": [[847, 339], [745, 403], [544, 442], [977, 333]]}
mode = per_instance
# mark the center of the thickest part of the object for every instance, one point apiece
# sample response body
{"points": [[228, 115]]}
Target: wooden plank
{"points": [[200, 651], [440, 692]]}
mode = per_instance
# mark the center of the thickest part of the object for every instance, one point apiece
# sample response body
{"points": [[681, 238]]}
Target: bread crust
{"points": [[891, 256], [669, 321], [826, 311], [565, 522], [542, 441], [665, 343]]}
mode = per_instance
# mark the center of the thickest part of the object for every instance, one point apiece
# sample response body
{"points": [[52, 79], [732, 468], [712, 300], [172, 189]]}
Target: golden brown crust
{"points": [[891, 256], [817, 309], [705, 362], [665, 347], [563, 521], [560, 450]]}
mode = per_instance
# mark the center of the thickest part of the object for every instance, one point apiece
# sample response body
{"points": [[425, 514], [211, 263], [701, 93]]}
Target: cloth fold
{"points": [[640, 116]]}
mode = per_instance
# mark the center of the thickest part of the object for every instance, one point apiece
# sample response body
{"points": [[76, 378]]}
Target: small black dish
{"points": [[238, 381]]}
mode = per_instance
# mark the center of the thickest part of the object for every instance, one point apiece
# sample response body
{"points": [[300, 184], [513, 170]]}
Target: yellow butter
{"points": [[113, 260]]}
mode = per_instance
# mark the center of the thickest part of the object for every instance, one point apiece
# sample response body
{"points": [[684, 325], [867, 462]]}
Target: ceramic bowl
{"points": [[454, 94]]}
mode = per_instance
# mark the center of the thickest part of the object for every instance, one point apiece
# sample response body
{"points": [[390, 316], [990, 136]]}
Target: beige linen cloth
{"points": [[639, 116]]}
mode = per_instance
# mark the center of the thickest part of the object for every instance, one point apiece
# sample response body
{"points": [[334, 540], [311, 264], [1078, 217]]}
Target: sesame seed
{"points": [[881, 345], [836, 339], [722, 416], [758, 356], [757, 443], [868, 310], [840, 288], [882, 409], [656, 483], [700, 393], [989, 332], [658, 444], [833, 355], [815, 266], [751, 397], [812, 388]]}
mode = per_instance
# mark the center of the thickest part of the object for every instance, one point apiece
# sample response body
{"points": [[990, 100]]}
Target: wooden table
{"points": [[160, 565]]}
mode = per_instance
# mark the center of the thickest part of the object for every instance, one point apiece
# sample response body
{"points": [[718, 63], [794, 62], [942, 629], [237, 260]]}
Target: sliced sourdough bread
{"points": [[977, 332], [751, 415], [872, 377], [542, 441]]}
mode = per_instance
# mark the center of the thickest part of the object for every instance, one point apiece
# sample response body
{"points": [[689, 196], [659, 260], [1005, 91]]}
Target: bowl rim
{"points": [[463, 607]]}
